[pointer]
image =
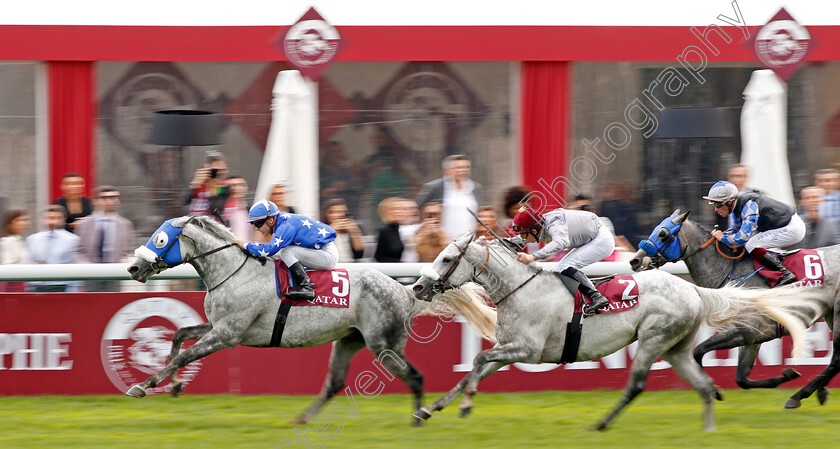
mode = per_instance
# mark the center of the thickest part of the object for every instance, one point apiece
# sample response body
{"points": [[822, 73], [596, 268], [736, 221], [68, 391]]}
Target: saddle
{"points": [[806, 264], [332, 288]]}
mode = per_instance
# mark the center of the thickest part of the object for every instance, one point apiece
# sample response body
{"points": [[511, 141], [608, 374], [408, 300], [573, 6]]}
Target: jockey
{"points": [[562, 229], [759, 223], [299, 240]]}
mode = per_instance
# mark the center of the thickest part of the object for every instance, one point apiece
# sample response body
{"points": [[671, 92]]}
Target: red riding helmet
{"points": [[526, 221]]}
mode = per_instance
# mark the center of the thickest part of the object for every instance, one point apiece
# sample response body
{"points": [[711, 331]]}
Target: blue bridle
{"points": [[666, 245]]}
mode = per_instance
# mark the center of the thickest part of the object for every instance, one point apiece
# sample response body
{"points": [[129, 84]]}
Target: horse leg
{"points": [[680, 359], [395, 361], [746, 361], [212, 341], [343, 351], [506, 353], [747, 355], [472, 386], [818, 383], [182, 334]]}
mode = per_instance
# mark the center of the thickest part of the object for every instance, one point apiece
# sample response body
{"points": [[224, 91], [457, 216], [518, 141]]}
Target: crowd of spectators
{"points": [[80, 229]]}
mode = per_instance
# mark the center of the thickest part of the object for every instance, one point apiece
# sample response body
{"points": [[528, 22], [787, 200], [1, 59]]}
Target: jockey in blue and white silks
{"points": [[759, 223], [298, 240]]}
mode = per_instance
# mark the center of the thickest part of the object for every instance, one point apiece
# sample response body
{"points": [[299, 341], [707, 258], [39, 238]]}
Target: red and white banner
{"points": [[101, 343]]}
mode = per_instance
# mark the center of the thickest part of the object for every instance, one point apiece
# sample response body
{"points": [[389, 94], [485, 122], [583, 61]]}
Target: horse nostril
{"points": [[418, 288], [133, 269]]}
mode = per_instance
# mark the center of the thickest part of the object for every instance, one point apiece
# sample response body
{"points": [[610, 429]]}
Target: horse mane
{"points": [[215, 228]]}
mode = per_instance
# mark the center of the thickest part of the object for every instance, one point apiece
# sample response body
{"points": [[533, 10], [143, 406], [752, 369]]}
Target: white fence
{"points": [[119, 271]]}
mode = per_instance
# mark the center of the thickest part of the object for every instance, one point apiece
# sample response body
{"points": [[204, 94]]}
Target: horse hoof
{"points": [[417, 423], [421, 414], [792, 404], [822, 395], [790, 374], [298, 421], [465, 412], [136, 392], [177, 388], [718, 393], [600, 427]]}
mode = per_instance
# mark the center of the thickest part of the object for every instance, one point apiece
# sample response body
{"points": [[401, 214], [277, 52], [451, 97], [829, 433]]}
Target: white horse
{"points": [[534, 308], [241, 306]]}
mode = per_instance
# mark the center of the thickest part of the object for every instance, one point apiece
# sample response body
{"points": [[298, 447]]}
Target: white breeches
{"points": [[792, 233], [318, 259], [590, 252]]}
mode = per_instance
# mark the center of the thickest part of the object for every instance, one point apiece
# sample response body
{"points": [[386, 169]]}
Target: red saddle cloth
{"points": [[332, 288], [806, 264], [622, 291]]}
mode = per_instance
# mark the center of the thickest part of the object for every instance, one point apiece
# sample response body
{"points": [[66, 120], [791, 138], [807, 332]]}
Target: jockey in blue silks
{"points": [[298, 240], [759, 223]]}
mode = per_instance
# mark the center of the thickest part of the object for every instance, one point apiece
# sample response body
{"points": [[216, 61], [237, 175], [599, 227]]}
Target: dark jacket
{"points": [[824, 232], [772, 214], [389, 245], [87, 209]]}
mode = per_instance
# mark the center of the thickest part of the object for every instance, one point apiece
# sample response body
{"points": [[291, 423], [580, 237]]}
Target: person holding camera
{"points": [[348, 240], [208, 191]]}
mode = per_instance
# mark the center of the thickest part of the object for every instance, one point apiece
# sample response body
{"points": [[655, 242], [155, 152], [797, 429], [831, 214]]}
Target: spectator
{"points": [[56, 245], [235, 213], [207, 192], [105, 236], [621, 213], [456, 192], [349, 241], [513, 199], [430, 239], [279, 196], [488, 216], [408, 227], [819, 231], [74, 203], [389, 245], [387, 170], [829, 180], [12, 246]]}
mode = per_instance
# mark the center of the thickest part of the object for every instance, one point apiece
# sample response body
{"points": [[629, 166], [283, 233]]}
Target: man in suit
{"points": [[456, 192], [819, 231], [105, 236], [53, 246]]}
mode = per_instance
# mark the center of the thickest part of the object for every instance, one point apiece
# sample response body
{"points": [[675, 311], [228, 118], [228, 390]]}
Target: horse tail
{"points": [[469, 301], [733, 304]]}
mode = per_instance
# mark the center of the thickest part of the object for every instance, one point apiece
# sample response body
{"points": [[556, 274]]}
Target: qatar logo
{"points": [[311, 44], [782, 45], [137, 341]]}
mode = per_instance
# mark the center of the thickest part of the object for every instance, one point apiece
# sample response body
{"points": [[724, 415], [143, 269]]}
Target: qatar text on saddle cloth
{"points": [[332, 288]]}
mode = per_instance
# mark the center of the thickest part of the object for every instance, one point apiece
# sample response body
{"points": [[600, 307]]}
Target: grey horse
{"points": [[241, 306], [712, 268], [534, 307]]}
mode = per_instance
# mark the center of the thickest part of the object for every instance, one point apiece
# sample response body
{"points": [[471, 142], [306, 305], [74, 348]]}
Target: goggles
{"points": [[259, 223]]}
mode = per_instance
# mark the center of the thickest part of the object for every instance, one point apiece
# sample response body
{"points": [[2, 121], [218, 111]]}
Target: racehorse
{"points": [[241, 306], [534, 307], [686, 240]]}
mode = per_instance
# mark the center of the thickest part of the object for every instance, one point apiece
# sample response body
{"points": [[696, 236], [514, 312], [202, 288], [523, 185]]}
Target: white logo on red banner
{"points": [[782, 44], [137, 341], [311, 44]]}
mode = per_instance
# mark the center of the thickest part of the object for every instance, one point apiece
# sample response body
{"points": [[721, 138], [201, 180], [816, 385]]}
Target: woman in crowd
{"points": [[12, 245], [350, 243]]}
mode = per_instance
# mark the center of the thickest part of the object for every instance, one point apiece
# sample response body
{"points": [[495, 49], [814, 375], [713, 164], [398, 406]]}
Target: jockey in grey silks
{"points": [[759, 223], [299, 240], [590, 241]]}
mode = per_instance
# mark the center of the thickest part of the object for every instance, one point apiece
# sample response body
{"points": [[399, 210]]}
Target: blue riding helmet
{"points": [[163, 245], [262, 210], [667, 244]]}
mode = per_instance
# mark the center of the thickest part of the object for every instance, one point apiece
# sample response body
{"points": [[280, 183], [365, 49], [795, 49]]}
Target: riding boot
{"points": [[597, 301], [772, 262], [301, 280]]}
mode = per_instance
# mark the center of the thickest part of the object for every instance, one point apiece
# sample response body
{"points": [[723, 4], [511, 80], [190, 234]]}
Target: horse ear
{"points": [[681, 218], [675, 213]]}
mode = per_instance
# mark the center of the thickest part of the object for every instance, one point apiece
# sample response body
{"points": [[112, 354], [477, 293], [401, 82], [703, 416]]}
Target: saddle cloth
{"points": [[332, 288], [805, 264], [621, 290]]}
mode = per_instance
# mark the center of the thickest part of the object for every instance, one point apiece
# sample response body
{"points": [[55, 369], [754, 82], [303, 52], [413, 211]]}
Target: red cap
{"points": [[525, 220]]}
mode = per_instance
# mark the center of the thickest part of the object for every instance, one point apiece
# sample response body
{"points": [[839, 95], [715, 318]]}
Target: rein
{"points": [[517, 288], [736, 257]]}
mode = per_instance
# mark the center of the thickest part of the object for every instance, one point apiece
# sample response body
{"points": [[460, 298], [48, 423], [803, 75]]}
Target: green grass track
{"points": [[666, 419]]}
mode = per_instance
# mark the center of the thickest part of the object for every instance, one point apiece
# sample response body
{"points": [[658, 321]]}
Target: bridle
{"points": [[159, 264]]}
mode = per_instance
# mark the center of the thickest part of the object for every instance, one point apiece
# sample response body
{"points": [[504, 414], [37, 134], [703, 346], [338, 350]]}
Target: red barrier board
{"points": [[102, 343]]}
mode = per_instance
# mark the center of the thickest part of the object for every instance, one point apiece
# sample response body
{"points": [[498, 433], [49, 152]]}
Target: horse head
{"points": [[163, 250], [663, 244], [446, 271]]}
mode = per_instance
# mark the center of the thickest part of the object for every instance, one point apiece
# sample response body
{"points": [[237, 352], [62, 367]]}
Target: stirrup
{"points": [[588, 310]]}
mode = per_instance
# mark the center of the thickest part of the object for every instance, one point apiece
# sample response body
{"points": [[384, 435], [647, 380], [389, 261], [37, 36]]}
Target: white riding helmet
{"points": [[722, 192]]}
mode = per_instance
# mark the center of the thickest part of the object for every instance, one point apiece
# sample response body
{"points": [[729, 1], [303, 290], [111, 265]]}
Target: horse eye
{"points": [[447, 259], [161, 239], [663, 235]]}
